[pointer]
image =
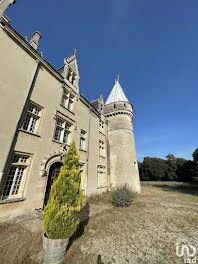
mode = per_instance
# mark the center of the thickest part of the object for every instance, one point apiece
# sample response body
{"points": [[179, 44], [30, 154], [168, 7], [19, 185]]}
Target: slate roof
{"points": [[116, 94]]}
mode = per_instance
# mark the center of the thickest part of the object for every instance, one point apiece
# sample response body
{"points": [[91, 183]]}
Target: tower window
{"points": [[114, 106], [124, 105]]}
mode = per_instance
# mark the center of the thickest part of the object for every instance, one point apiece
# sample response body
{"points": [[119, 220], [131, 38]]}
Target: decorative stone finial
{"points": [[75, 51], [4, 4], [34, 39]]}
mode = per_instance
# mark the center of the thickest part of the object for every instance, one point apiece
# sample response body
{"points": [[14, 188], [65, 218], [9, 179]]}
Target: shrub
{"points": [[122, 196], [61, 215]]}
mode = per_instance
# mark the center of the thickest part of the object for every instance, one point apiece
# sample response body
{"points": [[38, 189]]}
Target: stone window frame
{"points": [[102, 126], [101, 148], [101, 176], [71, 75], [63, 127], [83, 137], [17, 172], [67, 100], [31, 121], [83, 176]]}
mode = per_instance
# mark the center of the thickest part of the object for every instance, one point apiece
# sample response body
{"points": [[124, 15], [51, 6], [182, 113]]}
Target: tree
{"points": [[143, 176], [154, 168], [61, 215], [195, 166], [195, 155], [171, 167], [182, 172]]}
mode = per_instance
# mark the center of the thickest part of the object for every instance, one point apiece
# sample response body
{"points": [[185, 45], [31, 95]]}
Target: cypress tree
{"points": [[61, 215]]}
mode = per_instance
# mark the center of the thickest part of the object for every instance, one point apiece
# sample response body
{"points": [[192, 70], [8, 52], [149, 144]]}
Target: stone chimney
{"points": [[4, 5], [34, 39]]}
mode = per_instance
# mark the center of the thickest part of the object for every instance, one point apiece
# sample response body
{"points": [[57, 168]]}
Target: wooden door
{"points": [[53, 175]]}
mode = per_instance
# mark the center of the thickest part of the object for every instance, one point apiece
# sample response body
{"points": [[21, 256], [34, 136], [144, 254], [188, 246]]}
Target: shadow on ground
{"points": [[182, 188], [84, 219], [99, 260]]}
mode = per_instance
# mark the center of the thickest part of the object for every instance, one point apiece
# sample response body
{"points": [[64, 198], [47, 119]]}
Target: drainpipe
{"points": [[20, 117], [87, 160]]}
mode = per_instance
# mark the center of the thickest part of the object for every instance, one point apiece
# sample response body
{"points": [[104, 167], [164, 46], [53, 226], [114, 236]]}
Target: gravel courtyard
{"points": [[147, 232]]}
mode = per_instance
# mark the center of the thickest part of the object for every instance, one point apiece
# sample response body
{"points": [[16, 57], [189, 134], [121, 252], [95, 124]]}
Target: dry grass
{"points": [[146, 232], [18, 244]]}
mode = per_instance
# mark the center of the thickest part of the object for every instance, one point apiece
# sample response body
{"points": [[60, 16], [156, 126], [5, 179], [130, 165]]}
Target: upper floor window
{"points": [[67, 100], [62, 131], [32, 118], [16, 174], [82, 139], [101, 149]]}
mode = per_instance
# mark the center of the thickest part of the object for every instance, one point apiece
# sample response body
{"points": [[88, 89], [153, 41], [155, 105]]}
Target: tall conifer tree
{"points": [[61, 215]]}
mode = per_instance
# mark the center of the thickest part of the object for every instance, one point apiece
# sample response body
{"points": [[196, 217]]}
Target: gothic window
{"points": [[16, 174], [82, 139], [32, 118], [101, 149], [62, 131], [101, 176]]}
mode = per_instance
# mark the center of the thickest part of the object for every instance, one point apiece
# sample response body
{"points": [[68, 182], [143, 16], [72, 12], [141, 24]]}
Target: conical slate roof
{"points": [[116, 94]]}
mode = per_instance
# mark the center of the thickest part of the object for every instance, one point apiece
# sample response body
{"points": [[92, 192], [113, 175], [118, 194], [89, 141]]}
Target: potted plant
{"points": [[61, 215]]}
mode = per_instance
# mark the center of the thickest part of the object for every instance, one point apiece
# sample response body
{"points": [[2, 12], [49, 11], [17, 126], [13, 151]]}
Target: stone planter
{"points": [[54, 249]]}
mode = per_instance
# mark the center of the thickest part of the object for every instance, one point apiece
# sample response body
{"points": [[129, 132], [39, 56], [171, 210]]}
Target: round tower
{"points": [[122, 160]]}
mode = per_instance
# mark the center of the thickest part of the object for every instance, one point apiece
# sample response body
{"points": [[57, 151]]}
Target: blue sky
{"points": [[152, 44]]}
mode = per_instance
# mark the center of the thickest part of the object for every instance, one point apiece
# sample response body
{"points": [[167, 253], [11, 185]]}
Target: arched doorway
{"points": [[53, 175]]}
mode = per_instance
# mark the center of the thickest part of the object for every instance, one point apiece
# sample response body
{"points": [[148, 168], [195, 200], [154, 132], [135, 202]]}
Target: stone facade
{"points": [[42, 111]]}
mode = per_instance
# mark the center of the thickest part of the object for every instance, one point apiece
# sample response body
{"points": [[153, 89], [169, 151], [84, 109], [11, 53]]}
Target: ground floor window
{"points": [[101, 176], [15, 176], [83, 176]]}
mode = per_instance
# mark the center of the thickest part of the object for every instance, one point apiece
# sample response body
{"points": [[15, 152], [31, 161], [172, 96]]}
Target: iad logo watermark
{"points": [[188, 252]]}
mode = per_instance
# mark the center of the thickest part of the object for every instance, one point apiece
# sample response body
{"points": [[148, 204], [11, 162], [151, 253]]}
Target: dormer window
{"points": [[73, 79], [71, 76]]}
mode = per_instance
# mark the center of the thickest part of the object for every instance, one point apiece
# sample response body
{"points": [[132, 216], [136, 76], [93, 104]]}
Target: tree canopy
{"points": [[169, 169]]}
